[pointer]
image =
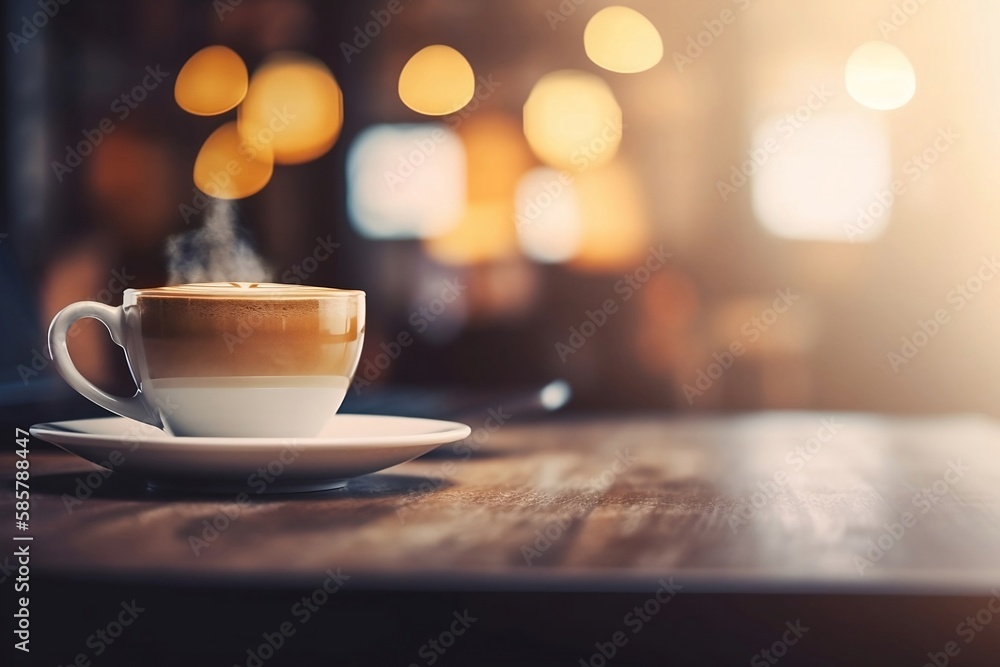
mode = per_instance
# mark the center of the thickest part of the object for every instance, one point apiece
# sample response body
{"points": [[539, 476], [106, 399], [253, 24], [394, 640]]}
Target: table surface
{"points": [[763, 502]]}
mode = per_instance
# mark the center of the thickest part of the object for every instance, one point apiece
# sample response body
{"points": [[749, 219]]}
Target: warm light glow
{"points": [[212, 81], [830, 181], [572, 120], [295, 105], [229, 168], [405, 181], [437, 80], [548, 215], [485, 233], [615, 229], [880, 76], [621, 39], [496, 155]]}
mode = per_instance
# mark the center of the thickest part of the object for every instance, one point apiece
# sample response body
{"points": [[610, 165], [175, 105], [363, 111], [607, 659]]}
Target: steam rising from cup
{"points": [[217, 252]]}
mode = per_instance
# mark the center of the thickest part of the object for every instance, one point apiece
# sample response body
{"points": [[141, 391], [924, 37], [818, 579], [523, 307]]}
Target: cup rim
{"points": [[242, 290]]}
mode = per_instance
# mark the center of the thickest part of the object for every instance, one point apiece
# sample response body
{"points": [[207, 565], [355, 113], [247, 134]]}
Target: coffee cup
{"points": [[227, 359]]}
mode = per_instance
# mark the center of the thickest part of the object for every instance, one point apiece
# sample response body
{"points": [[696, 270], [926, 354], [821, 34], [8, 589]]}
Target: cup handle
{"points": [[133, 407]]}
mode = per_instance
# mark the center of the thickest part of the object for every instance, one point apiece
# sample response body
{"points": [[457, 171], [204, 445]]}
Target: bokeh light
{"points": [[437, 80], [212, 81], [406, 181], [614, 223], [135, 181], [295, 105], [880, 76], [485, 233], [620, 39], [229, 168], [548, 215], [496, 155], [572, 120], [831, 181], [555, 394]]}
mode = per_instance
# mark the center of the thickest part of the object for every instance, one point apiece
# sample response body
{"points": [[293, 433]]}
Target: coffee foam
{"points": [[245, 290]]}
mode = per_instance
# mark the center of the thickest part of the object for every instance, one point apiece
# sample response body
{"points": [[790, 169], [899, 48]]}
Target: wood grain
{"points": [[611, 503]]}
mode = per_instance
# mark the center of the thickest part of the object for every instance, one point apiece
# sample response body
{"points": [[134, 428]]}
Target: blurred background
{"points": [[722, 205]]}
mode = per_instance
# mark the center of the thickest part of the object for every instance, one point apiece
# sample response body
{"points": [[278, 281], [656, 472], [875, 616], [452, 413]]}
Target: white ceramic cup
{"points": [[227, 359]]}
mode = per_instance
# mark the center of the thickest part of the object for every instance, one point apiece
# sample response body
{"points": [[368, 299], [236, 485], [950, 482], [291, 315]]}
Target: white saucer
{"points": [[350, 446]]}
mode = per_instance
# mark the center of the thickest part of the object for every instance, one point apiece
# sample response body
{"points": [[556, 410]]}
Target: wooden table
{"points": [[879, 534]]}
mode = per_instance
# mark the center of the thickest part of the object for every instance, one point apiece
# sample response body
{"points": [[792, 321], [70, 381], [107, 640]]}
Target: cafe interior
{"points": [[722, 217]]}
